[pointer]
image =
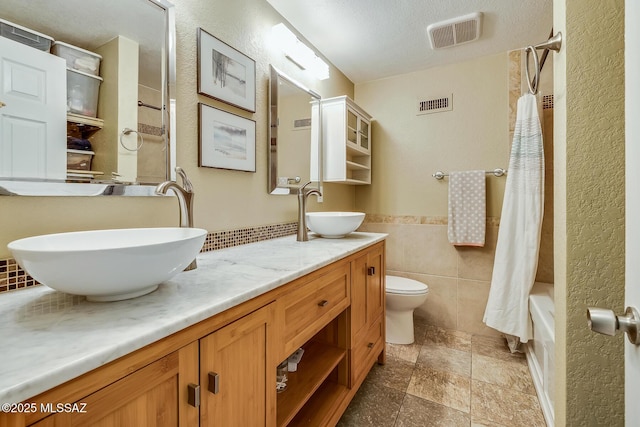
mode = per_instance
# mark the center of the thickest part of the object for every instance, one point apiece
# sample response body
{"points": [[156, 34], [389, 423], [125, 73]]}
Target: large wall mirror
{"points": [[294, 135], [72, 122]]}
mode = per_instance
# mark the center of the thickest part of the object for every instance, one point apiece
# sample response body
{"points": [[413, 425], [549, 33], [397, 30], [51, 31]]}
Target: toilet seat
{"points": [[403, 286]]}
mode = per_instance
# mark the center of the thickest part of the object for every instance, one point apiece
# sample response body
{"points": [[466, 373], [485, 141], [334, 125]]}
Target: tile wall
{"points": [[458, 277]]}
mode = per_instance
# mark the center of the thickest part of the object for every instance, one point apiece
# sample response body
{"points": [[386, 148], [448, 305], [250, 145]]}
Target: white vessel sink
{"points": [[108, 265], [334, 225]]}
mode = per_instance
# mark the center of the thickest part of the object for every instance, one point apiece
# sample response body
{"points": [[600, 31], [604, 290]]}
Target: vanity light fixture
{"points": [[299, 53]]}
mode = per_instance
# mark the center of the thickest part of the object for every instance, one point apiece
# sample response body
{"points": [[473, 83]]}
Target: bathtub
{"points": [[540, 349]]}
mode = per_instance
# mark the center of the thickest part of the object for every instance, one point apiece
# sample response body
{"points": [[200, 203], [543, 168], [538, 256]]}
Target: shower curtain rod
{"points": [[553, 43]]}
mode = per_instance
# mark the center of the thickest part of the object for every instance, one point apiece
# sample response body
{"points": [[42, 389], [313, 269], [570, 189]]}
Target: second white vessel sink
{"points": [[334, 225], [108, 265]]}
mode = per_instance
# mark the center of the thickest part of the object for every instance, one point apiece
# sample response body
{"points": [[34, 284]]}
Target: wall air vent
{"points": [[456, 31], [302, 124], [435, 105]]}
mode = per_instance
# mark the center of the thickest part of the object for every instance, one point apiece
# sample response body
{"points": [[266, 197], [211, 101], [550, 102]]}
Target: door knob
{"points": [[605, 322]]}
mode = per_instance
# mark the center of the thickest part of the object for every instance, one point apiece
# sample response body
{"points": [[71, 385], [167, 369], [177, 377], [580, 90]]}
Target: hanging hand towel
{"points": [[467, 208]]}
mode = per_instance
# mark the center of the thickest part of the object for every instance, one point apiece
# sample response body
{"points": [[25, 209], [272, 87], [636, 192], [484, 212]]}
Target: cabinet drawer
{"points": [[310, 307], [366, 351]]}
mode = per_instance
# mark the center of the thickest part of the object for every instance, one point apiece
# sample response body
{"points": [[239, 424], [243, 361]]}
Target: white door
{"points": [[33, 120], [632, 153]]}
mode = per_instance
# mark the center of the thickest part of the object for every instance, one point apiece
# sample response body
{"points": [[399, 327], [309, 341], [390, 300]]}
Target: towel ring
{"points": [[533, 86], [127, 131]]}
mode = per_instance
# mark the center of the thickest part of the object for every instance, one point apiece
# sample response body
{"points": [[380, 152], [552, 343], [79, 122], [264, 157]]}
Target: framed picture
{"points": [[225, 73], [226, 141]]}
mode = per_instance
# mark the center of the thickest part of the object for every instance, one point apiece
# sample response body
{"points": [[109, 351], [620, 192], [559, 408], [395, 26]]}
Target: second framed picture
{"points": [[226, 141], [224, 73]]}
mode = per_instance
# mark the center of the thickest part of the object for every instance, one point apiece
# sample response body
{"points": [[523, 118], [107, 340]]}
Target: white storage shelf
{"points": [[346, 135]]}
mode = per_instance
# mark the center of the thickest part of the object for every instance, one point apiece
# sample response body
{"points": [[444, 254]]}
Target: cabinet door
{"points": [[366, 312], [237, 373], [375, 283], [152, 396], [352, 127], [367, 290], [364, 134], [359, 295]]}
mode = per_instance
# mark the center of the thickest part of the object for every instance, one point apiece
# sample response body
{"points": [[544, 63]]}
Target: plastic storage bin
{"points": [[82, 93], [79, 160], [77, 58], [25, 35]]}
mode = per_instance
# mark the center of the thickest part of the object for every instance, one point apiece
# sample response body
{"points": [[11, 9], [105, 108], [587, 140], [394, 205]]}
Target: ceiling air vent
{"points": [[453, 32], [435, 105]]}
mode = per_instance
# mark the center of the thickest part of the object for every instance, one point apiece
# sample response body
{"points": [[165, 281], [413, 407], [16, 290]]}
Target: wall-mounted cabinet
{"points": [[346, 137]]}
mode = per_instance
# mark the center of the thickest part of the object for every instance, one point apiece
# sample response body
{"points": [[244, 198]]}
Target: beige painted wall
{"points": [[408, 148], [589, 209], [224, 199]]}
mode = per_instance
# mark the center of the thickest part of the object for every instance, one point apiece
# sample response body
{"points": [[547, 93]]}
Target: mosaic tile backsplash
{"points": [[12, 277]]}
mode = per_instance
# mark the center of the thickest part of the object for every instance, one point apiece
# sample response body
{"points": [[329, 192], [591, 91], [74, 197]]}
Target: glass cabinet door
{"points": [[352, 127], [364, 135]]}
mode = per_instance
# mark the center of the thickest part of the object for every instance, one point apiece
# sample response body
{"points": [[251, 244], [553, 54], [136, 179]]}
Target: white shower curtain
{"points": [[516, 259]]}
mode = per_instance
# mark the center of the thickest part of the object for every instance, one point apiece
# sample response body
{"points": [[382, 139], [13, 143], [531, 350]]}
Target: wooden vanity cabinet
{"points": [[222, 371]]}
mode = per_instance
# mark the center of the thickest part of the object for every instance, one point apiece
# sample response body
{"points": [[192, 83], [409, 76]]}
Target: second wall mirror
{"points": [[294, 130]]}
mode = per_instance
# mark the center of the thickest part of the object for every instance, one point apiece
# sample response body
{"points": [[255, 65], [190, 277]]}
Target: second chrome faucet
{"points": [[303, 194]]}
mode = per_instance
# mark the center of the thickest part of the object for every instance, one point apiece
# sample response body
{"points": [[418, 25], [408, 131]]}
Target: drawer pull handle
{"points": [[371, 271], [370, 345], [193, 395], [214, 383], [323, 303]]}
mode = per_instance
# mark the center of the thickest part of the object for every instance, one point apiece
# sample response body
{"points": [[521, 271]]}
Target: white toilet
{"points": [[403, 297]]}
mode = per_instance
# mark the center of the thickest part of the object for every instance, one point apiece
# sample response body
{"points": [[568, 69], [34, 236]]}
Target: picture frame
{"points": [[225, 140], [225, 73]]}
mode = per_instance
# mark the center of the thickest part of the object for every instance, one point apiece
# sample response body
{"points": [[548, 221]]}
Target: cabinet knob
{"points": [[214, 383], [193, 395], [370, 345], [323, 303], [371, 271]]}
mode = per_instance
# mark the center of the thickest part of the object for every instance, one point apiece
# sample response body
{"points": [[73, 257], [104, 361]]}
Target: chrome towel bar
{"points": [[496, 172]]}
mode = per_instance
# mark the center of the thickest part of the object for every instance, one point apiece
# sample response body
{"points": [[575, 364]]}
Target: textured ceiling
{"points": [[373, 39]]}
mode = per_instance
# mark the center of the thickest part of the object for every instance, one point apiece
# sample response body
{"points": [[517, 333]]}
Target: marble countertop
{"points": [[48, 337]]}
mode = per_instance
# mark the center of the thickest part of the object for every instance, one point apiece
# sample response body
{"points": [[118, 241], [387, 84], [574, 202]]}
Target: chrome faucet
{"points": [[185, 200], [303, 194]]}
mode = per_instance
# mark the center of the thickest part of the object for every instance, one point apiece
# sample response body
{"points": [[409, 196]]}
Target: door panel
{"points": [[632, 229], [33, 121]]}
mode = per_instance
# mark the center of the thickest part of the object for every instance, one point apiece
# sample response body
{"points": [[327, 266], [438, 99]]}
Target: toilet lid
{"points": [[402, 285]]}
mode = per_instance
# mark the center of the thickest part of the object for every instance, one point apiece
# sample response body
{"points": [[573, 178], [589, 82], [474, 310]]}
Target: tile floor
{"points": [[447, 378]]}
